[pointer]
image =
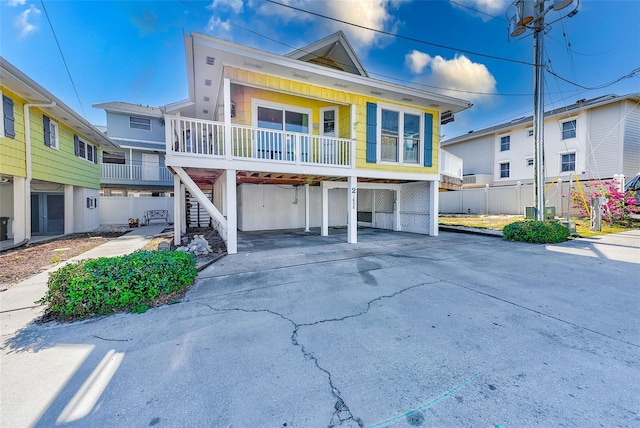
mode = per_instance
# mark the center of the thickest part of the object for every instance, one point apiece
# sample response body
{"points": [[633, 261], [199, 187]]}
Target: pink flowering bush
{"points": [[618, 205]]}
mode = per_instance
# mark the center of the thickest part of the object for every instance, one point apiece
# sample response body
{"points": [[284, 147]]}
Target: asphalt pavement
{"points": [[299, 330]]}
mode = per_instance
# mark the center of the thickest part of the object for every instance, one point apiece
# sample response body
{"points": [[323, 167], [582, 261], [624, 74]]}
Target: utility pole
{"points": [[530, 16]]}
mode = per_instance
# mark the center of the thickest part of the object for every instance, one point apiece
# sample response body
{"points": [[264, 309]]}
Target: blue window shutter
{"points": [[76, 145], [428, 139], [9, 119], [372, 131], [46, 124], [95, 154]]}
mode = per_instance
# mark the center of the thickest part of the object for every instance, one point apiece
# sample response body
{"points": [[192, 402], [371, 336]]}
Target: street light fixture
{"points": [[530, 16]]}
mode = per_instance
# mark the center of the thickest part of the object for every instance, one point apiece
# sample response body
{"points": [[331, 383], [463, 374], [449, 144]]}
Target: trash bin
{"points": [[4, 225]]}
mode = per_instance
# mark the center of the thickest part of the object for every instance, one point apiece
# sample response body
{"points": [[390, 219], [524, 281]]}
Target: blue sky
{"points": [[133, 51]]}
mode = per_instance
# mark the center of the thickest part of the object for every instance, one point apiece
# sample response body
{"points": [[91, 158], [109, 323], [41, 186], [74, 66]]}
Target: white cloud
{"points": [[22, 21], [450, 76], [216, 24], [483, 7], [234, 5], [375, 14], [16, 2]]}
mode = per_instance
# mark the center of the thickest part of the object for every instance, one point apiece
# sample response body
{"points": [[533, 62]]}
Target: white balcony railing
{"points": [[206, 138], [129, 172], [450, 165]]}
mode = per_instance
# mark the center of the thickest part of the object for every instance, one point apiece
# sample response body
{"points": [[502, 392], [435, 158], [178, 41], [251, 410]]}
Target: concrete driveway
{"points": [[399, 330]]}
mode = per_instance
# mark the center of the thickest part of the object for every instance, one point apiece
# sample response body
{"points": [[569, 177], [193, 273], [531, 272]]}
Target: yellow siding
{"points": [[310, 98], [47, 164], [62, 165], [12, 150]]}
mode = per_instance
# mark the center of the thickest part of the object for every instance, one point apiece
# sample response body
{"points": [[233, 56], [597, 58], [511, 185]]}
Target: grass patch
{"points": [[130, 283], [534, 231]]}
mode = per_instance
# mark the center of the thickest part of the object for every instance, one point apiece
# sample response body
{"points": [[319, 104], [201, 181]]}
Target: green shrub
{"points": [[103, 286], [539, 232]]}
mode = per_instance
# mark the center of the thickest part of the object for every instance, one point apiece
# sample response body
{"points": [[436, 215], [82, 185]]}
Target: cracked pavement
{"points": [[298, 330]]}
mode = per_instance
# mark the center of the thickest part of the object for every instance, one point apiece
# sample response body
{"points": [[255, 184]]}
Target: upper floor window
{"points": [[505, 143], [400, 137], [8, 118], [568, 162], [50, 130], [504, 170], [569, 129], [140, 123], [85, 150], [113, 157]]}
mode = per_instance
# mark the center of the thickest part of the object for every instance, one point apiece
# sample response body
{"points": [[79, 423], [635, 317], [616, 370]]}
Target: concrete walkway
{"points": [[398, 330], [17, 307]]}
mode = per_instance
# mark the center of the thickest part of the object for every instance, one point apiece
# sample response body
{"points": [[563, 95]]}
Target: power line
{"points": [[63, 59], [476, 10], [633, 73], [400, 36]]}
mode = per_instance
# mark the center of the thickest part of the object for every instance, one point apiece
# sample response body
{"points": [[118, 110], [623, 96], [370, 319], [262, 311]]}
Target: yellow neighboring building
{"points": [[303, 140], [49, 162]]}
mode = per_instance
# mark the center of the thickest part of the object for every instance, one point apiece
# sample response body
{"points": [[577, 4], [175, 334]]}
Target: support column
{"points": [[352, 210], [69, 215], [232, 211], [227, 119], [435, 207], [396, 210], [324, 201], [183, 208], [177, 210], [306, 207], [19, 223]]}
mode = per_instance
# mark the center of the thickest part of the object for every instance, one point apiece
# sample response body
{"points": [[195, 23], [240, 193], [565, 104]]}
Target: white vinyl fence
{"points": [[504, 199], [118, 209]]}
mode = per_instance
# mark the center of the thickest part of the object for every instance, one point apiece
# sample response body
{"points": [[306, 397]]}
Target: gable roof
{"points": [[579, 105], [333, 51], [21, 84], [207, 56]]}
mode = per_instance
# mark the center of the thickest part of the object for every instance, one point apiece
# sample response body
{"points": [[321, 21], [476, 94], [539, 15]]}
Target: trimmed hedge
{"points": [[538, 232], [133, 282]]}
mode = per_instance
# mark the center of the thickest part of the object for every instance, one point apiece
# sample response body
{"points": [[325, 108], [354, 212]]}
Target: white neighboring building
{"points": [[595, 138]]}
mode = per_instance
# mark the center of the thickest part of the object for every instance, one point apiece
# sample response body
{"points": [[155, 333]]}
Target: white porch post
{"points": [[435, 208], [352, 210], [306, 207], [232, 211], [324, 200], [69, 221], [354, 120], [227, 120], [177, 214], [19, 222], [396, 210]]}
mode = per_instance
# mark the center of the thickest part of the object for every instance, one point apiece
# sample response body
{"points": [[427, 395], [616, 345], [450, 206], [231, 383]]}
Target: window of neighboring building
{"points": [[8, 118], [505, 143], [113, 157], [569, 129], [568, 162], [529, 161], [504, 170], [140, 123], [50, 130]]}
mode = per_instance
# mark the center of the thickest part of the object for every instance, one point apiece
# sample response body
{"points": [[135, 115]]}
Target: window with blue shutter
{"points": [[9, 119], [46, 128], [428, 139], [372, 131], [76, 145]]}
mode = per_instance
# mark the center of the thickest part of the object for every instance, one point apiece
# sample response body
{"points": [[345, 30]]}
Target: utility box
{"points": [[4, 226], [549, 213], [530, 213]]}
